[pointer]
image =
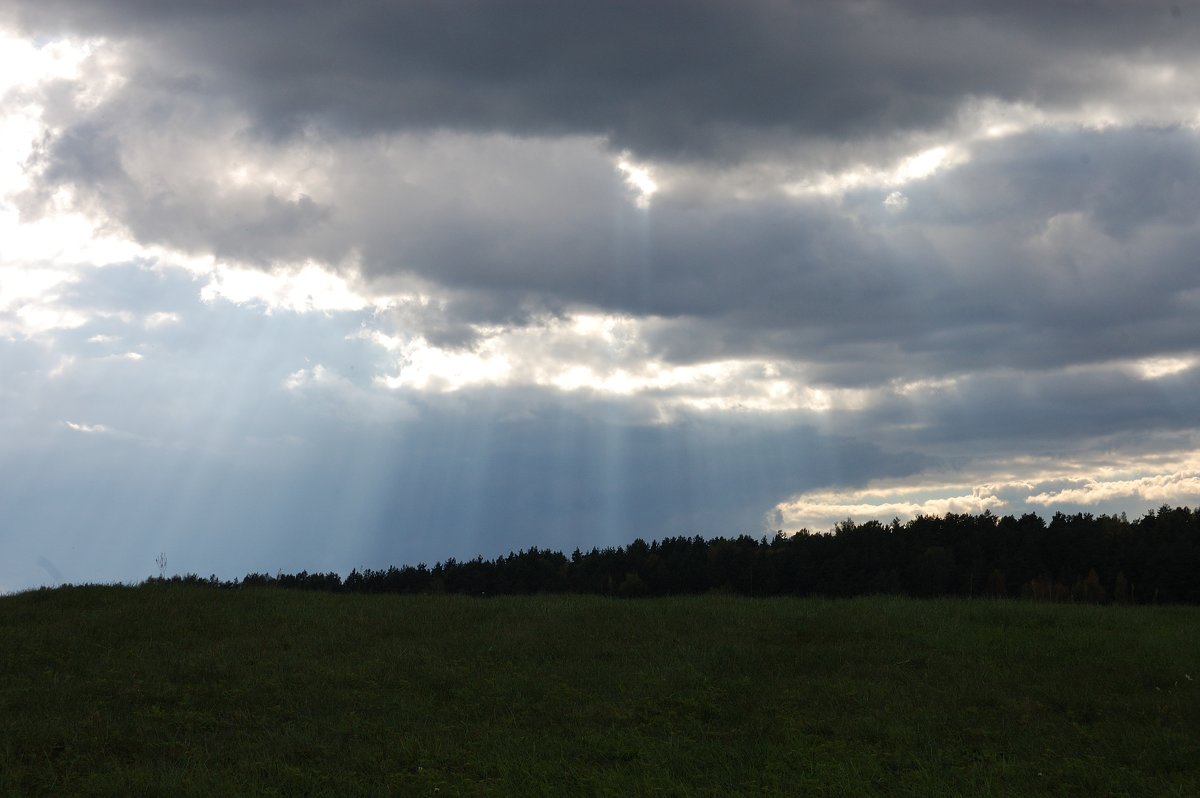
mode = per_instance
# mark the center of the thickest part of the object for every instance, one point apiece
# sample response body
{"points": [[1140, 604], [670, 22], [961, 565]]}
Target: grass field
{"points": [[178, 690]]}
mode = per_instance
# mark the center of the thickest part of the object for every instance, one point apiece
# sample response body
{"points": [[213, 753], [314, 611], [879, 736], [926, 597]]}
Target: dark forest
{"points": [[1079, 558]]}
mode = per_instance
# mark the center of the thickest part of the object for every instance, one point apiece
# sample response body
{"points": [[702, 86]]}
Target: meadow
{"points": [[182, 690]]}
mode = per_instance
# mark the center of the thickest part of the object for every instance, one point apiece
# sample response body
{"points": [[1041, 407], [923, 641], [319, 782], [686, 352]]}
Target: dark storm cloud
{"points": [[1045, 249], [1121, 179], [1035, 413], [669, 79]]}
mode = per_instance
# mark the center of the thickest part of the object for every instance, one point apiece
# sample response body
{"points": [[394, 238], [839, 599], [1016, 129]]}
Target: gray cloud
{"points": [[1123, 180], [1018, 413], [1044, 249], [671, 79]]}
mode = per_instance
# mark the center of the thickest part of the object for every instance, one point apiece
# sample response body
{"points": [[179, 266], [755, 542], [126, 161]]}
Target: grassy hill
{"points": [[168, 689]]}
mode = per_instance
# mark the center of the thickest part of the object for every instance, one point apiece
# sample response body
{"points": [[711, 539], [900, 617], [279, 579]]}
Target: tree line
{"points": [[1080, 557]]}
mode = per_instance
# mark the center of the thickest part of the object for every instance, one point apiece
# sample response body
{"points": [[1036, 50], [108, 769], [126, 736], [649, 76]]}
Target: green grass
{"points": [[177, 690]]}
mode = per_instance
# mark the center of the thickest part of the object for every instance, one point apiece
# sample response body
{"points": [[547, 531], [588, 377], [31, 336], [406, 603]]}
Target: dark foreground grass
{"points": [[176, 690]]}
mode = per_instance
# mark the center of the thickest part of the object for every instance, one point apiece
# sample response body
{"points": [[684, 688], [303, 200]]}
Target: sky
{"points": [[314, 286]]}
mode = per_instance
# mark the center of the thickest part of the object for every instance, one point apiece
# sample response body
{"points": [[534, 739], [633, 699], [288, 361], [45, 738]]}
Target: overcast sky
{"points": [[313, 285]]}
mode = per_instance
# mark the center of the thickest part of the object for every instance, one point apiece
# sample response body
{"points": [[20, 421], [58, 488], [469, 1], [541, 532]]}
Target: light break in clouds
{"points": [[317, 286]]}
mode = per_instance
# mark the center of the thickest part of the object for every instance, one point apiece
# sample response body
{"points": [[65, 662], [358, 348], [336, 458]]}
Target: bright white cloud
{"points": [[303, 288], [429, 368], [1155, 367], [160, 319], [34, 319], [821, 510], [1016, 485], [20, 286], [1176, 489], [638, 178], [920, 165], [88, 429], [606, 356]]}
